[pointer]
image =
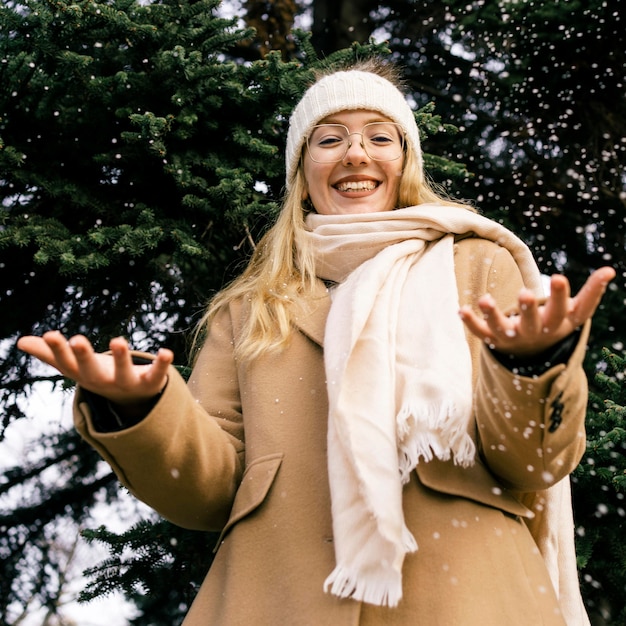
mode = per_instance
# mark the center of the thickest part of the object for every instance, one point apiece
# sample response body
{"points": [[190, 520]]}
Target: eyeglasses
{"points": [[382, 141]]}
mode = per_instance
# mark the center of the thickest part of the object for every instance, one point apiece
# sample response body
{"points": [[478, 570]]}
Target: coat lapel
{"points": [[311, 319]]}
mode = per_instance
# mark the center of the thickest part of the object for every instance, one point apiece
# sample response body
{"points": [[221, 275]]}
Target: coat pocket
{"points": [[255, 484], [474, 483]]}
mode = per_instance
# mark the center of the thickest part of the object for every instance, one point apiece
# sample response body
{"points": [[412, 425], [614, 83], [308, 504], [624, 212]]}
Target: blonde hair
{"points": [[281, 271]]}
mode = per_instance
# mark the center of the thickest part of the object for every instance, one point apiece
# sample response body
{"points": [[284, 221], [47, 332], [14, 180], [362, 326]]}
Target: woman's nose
{"points": [[355, 154]]}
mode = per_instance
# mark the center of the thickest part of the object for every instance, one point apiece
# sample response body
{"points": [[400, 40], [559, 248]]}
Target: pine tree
{"points": [[156, 565], [600, 495]]}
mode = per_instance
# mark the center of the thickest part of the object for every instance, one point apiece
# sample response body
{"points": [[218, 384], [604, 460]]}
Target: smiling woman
{"points": [[341, 412]]}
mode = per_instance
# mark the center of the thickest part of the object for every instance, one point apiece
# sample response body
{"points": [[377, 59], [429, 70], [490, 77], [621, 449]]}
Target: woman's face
{"points": [[357, 183]]}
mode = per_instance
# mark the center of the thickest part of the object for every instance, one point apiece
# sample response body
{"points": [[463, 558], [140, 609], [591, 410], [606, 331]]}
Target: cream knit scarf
{"points": [[398, 375]]}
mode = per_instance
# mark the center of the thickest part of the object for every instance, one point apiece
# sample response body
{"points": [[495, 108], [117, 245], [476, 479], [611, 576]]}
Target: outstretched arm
{"points": [[113, 376], [536, 327]]}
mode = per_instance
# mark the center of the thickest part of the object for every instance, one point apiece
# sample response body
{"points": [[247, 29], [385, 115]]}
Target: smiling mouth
{"points": [[362, 185]]}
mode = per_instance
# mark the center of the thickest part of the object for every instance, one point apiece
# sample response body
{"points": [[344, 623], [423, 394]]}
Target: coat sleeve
{"points": [[185, 458], [531, 429]]}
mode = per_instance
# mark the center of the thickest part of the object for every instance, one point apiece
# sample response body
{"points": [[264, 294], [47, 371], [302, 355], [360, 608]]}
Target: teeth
{"points": [[364, 185]]}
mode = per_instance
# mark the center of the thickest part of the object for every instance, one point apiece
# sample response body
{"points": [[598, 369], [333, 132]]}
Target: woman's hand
{"points": [[538, 327], [113, 376]]}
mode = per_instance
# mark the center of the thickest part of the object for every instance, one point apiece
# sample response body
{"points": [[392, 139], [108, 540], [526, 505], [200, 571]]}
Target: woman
{"points": [[414, 470]]}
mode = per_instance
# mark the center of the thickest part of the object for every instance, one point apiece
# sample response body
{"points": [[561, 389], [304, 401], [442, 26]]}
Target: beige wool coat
{"points": [[242, 449]]}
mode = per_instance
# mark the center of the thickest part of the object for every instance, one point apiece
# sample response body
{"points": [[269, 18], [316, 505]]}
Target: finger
{"points": [[557, 306], [475, 324], [472, 321], [81, 346], [500, 326], [156, 375], [588, 298], [89, 369], [63, 355], [37, 347], [605, 274], [124, 372], [530, 323]]}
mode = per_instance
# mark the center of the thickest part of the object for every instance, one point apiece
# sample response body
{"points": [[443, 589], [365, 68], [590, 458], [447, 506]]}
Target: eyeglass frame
{"points": [[402, 136]]}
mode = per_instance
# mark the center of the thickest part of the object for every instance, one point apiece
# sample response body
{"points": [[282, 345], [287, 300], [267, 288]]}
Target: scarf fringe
{"points": [[408, 540], [373, 588], [379, 588], [426, 432]]}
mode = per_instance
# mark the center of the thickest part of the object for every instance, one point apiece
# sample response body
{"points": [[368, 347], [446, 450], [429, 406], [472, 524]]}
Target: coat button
{"points": [[556, 416]]}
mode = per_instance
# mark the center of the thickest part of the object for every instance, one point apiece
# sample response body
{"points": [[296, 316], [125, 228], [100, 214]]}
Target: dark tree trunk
{"points": [[339, 23]]}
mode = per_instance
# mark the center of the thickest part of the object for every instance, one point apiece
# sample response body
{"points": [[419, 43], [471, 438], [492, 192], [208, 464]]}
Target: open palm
{"points": [[536, 327], [112, 375]]}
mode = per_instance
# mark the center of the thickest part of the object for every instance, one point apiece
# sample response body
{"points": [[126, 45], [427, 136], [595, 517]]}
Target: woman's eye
{"points": [[330, 141], [381, 139]]}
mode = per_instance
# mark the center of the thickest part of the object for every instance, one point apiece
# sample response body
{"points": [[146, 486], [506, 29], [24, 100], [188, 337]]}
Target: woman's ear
{"points": [[306, 202], [307, 205]]}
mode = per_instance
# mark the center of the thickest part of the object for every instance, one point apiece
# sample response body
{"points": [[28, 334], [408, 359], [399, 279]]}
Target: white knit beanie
{"points": [[345, 91]]}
